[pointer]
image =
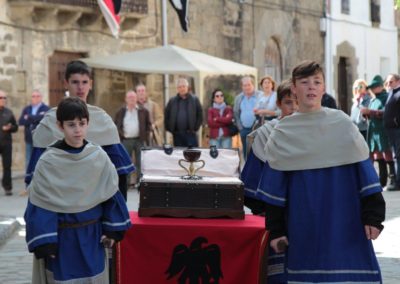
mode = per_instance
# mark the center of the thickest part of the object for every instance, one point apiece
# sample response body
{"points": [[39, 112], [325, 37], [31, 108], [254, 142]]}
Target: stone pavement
{"points": [[16, 261]]}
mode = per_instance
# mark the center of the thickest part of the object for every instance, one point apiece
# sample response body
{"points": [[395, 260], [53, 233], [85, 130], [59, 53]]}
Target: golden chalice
{"points": [[191, 156]]}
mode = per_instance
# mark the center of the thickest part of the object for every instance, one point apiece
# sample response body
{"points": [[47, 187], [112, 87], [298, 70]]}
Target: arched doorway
{"points": [[273, 59]]}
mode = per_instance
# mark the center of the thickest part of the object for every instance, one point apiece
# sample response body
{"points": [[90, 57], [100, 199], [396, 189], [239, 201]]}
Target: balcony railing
{"points": [[128, 6]]}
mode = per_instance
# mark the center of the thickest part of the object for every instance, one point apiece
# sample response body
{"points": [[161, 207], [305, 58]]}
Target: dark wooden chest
{"points": [[198, 200], [218, 194]]}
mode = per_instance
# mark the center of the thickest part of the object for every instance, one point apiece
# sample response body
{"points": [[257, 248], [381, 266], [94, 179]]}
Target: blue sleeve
{"points": [[116, 214], [120, 158], [22, 120], [41, 226], [369, 180], [251, 173], [35, 156], [273, 186]]}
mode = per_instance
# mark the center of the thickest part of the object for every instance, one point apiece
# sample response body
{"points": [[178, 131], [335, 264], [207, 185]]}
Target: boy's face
{"points": [[74, 131], [309, 91], [288, 105], [79, 85]]}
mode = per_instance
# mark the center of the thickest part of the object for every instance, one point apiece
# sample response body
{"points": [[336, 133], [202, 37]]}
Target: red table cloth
{"points": [[177, 250]]}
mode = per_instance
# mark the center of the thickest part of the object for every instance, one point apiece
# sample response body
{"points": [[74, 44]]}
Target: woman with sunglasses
{"points": [[361, 99], [219, 118]]}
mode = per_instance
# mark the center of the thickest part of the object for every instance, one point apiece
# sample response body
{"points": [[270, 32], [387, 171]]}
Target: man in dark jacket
{"points": [[183, 116], [30, 118], [391, 123], [8, 125], [133, 124]]}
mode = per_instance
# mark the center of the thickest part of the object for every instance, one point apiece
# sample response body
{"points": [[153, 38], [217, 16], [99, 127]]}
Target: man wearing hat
{"points": [[378, 142], [391, 121]]}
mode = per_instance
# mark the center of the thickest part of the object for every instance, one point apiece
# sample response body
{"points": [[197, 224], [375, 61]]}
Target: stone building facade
{"points": [[38, 37]]}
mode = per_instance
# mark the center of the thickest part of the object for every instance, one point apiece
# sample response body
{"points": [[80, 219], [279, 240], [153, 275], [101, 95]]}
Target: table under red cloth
{"points": [[146, 252]]}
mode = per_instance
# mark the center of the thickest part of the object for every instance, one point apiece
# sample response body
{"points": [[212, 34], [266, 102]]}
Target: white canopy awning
{"points": [[172, 59]]}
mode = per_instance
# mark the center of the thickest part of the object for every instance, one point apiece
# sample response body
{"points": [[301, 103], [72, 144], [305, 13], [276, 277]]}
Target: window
{"points": [[346, 7], [375, 12]]}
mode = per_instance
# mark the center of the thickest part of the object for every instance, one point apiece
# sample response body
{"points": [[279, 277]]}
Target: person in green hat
{"points": [[378, 142]]}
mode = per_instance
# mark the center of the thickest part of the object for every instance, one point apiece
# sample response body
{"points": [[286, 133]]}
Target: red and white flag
{"points": [[110, 10]]}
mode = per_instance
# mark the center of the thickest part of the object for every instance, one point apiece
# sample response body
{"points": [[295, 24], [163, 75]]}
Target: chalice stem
{"points": [[202, 166], [186, 169]]}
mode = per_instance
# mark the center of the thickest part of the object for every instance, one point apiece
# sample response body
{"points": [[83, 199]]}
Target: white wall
{"points": [[375, 47]]}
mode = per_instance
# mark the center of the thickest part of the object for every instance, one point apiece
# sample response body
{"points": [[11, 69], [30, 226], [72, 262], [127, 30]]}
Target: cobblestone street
{"points": [[16, 262]]}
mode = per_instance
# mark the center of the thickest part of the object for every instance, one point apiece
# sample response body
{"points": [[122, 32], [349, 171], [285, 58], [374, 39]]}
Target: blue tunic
{"points": [[80, 253], [327, 242], [251, 173], [116, 152]]}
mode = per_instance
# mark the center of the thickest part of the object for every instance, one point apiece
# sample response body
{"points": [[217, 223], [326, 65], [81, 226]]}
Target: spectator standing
{"points": [[361, 99], [266, 108], [183, 116], [219, 118], [243, 110], [391, 120], [377, 139], [8, 125], [133, 123], [155, 112], [30, 118], [328, 101]]}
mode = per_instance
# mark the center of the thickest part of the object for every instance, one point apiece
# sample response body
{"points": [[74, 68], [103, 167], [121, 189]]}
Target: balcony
{"points": [[64, 13]]}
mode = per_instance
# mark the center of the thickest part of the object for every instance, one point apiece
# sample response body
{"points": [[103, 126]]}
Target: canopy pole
{"points": [[165, 43]]}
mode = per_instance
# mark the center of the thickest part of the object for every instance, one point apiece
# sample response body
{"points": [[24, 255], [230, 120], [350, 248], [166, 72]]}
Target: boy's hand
{"points": [[280, 244], [107, 242], [371, 232]]}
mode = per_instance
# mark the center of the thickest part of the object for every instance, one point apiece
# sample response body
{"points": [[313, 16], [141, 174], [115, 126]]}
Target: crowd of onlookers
{"points": [[376, 112]]}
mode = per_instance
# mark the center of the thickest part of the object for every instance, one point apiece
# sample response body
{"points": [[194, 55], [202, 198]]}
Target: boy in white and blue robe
{"points": [[102, 130], [323, 195], [253, 167], [74, 208]]}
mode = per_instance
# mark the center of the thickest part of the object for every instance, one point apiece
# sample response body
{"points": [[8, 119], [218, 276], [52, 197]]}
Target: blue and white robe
{"points": [[327, 241]]}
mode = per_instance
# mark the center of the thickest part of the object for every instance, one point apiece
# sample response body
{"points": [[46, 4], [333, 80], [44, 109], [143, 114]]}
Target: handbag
{"points": [[233, 130]]}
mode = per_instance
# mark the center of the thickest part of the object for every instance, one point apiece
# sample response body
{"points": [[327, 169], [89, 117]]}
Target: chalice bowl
{"points": [[191, 156]]}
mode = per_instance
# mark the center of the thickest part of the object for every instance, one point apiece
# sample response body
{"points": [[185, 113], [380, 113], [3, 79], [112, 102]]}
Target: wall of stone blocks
{"points": [[230, 29]]}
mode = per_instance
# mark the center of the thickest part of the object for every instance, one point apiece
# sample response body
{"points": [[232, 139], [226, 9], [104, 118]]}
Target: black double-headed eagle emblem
{"points": [[197, 264]]}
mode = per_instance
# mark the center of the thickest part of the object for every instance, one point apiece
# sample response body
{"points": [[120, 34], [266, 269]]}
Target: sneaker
{"points": [[8, 192]]}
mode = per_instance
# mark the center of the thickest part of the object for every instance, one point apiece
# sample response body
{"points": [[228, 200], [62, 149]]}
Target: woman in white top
{"points": [[266, 108]]}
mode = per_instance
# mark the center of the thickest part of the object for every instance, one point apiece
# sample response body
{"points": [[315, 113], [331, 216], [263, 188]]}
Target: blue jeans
{"points": [[243, 137], [393, 135], [221, 142]]}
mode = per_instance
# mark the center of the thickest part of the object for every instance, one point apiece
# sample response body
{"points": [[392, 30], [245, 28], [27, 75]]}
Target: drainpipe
{"points": [[326, 29]]}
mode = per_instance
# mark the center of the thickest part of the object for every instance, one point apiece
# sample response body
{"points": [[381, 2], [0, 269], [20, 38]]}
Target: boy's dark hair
{"points": [[77, 67], [284, 90], [305, 69], [71, 108]]}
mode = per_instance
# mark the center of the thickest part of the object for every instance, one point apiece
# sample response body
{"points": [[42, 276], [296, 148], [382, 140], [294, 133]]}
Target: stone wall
{"points": [[234, 30]]}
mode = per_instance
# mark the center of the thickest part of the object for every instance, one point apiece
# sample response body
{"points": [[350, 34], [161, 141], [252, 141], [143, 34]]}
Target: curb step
{"points": [[8, 225]]}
